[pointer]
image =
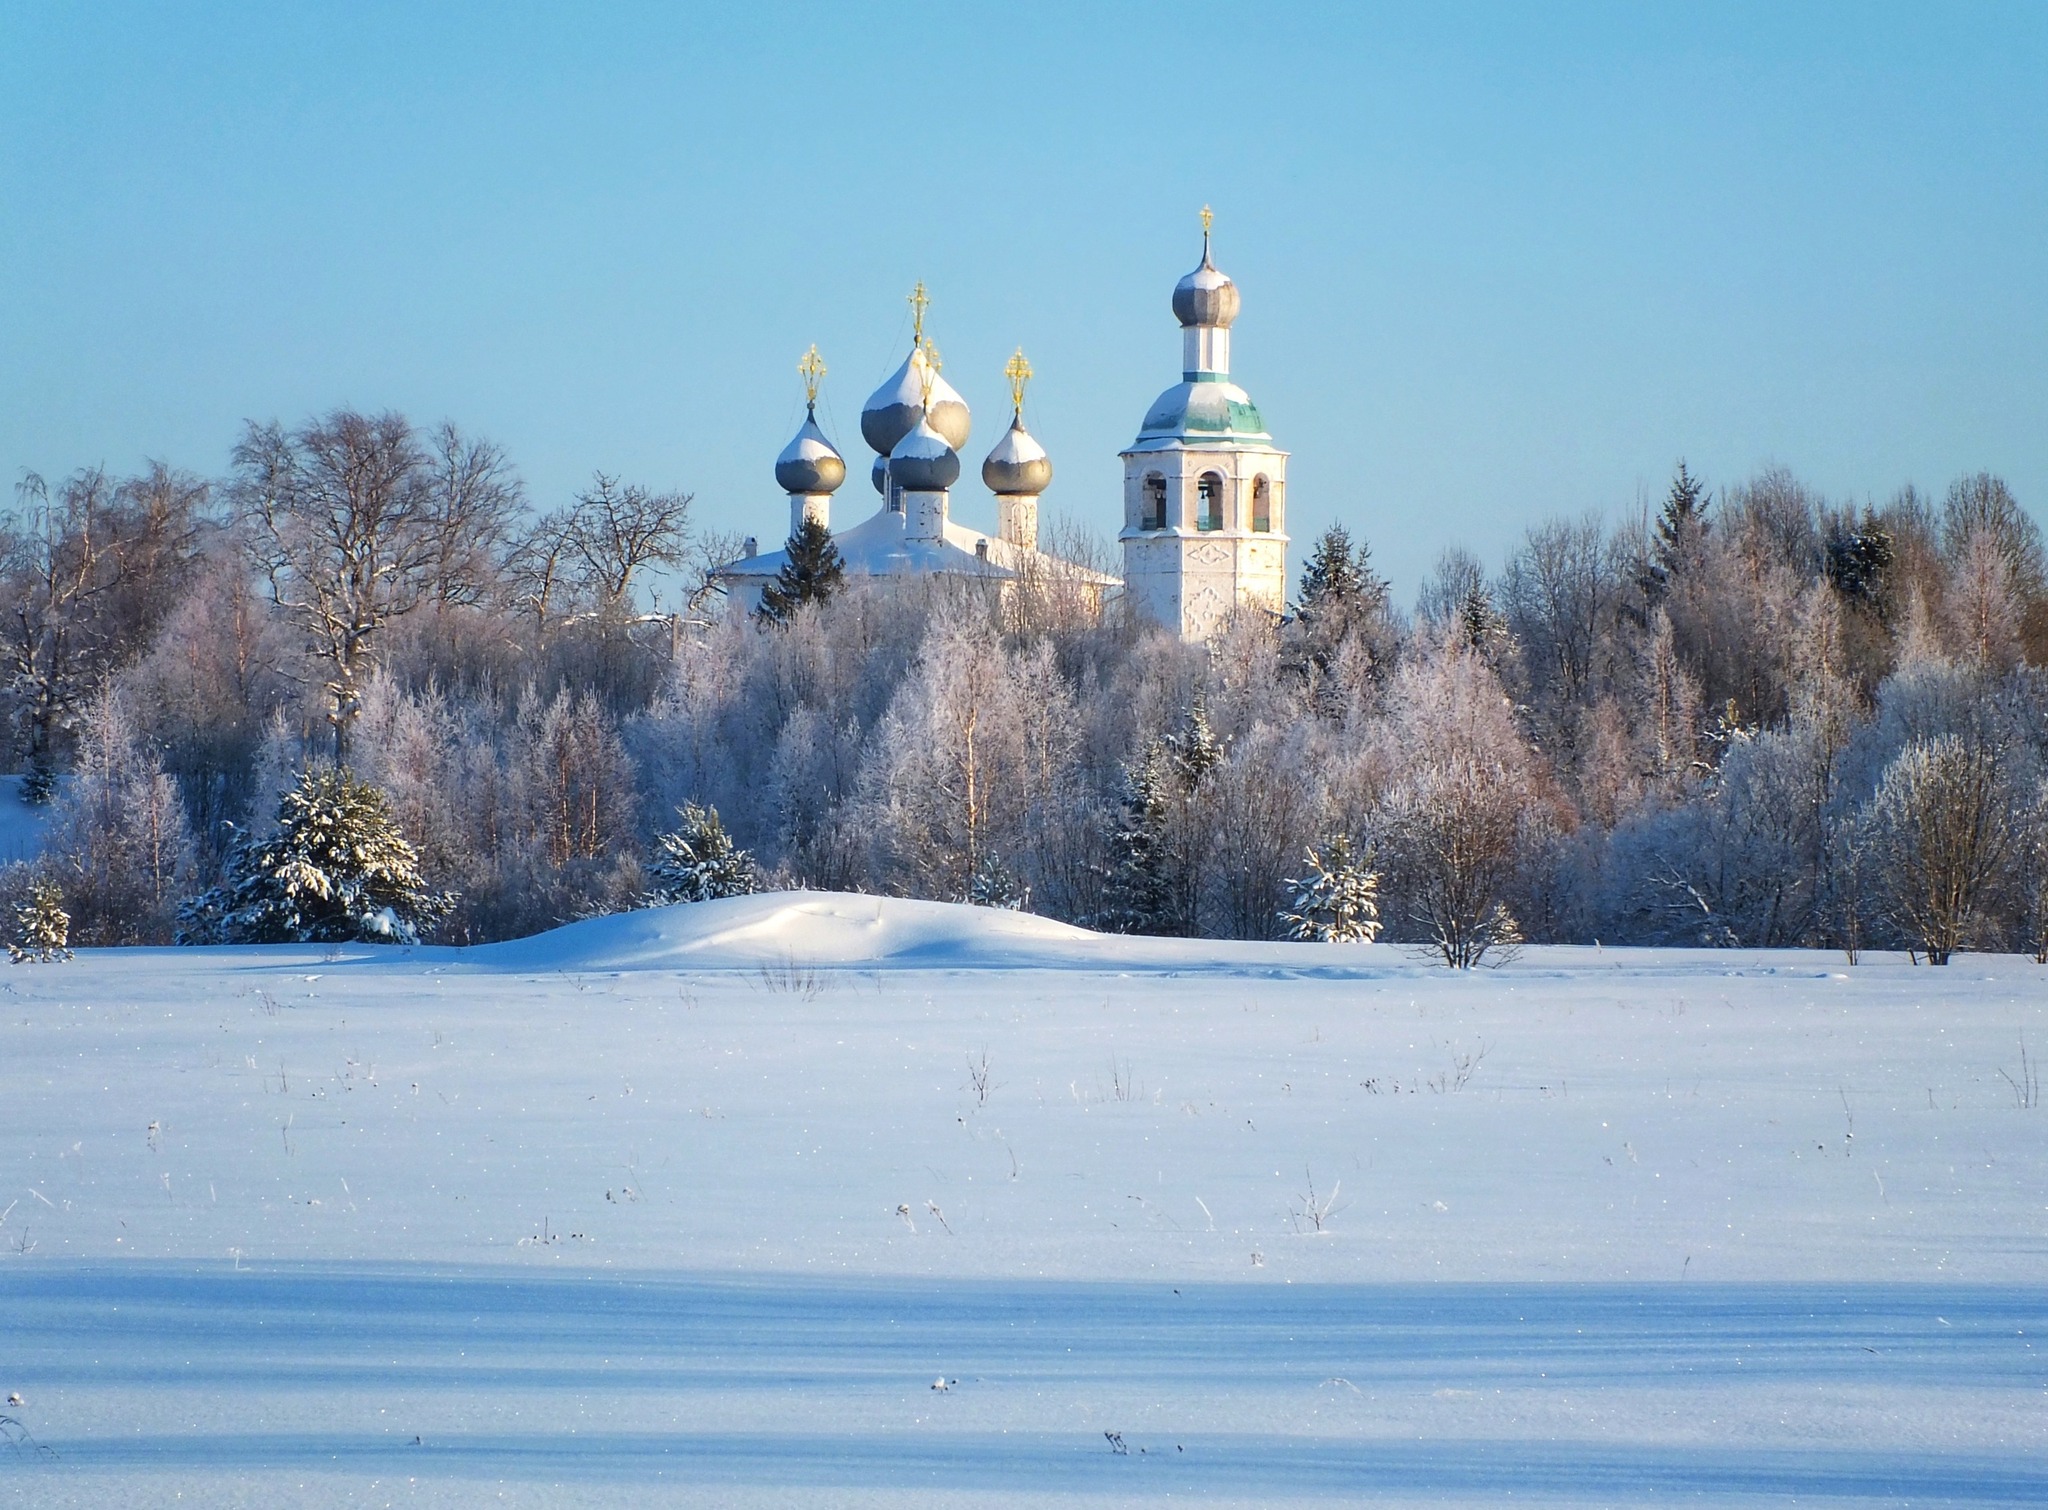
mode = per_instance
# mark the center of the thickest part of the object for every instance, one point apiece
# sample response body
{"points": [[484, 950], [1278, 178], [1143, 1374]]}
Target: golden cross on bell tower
{"points": [[920, 301], [1018, 371], [812, 368]]}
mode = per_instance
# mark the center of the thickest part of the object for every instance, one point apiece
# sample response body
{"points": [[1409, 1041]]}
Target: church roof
{"points": [[1206, 412], [878, 547]]}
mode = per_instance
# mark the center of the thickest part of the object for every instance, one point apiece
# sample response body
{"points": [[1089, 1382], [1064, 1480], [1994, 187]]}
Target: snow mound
{"points": [[803, 927]]}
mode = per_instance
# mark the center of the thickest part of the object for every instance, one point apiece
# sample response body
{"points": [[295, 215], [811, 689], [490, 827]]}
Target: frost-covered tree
{"points": [[1942, 821], [119, 839], [42, 928], [1337, 901], [335, 869], [1463, 807], [698, 862], [811, 572]]}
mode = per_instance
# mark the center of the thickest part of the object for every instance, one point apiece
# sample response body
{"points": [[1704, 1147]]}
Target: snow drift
{"points": [[827, 928]]}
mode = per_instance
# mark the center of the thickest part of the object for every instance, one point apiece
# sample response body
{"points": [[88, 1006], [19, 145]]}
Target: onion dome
{"points": [[894, 408], [810, 463], [1205, 296], [1018, 464], [923, 460], [879, 474]]}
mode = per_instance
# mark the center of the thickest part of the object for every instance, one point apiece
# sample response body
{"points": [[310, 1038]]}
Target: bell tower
{"points": [[1205, 488]]}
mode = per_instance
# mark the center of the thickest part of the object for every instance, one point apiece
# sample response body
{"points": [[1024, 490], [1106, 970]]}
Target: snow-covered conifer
{"points": [[1140, 893], [1338, 900], [42, 928], [698, 862], [335, 870], [993, 884]]}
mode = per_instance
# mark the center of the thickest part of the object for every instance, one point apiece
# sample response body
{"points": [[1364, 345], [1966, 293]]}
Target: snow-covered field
{"points": [[695, 1206]]}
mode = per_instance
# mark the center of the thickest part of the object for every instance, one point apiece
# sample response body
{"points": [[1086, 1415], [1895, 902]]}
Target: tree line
{"points": [[1745, 715]]}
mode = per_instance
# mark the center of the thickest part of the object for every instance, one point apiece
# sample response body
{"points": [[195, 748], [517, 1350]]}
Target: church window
{"points": [[1155, 502], [1210, 491], [1262, 505]]}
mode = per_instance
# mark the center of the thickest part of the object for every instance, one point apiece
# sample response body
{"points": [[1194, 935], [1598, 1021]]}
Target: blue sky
{"points": [[1497, 262]]}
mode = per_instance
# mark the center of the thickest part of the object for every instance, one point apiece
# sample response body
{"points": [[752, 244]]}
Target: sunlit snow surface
{"points": [[695, 1206]]}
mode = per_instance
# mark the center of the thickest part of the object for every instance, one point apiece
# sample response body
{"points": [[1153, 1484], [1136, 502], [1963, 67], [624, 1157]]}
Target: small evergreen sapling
{"points": [[699, 862], [1338, 900], [994, 885], [42, 928], [1139, 896], [337, 870]]}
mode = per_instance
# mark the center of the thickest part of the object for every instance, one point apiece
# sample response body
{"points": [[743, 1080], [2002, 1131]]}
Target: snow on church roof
{"points": [[878, 547]]}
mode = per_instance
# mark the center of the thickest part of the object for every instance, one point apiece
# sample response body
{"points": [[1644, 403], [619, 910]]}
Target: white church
{"points": [[1205, 489]]}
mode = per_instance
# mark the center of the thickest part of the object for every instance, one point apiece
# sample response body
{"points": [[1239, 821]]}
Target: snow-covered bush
{"points": [[698, 862], [1338, 900], [1944, 830], [42, 928], [335, 870]]}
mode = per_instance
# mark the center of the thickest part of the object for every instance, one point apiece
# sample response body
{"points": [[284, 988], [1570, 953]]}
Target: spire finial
{"points": [[920, 301], [811, 368], [1208, 219], [1018, 371]]}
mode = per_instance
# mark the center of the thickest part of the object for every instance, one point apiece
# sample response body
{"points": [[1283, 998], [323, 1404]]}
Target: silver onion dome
{"points": [[810, 463], [1018, 464], [893, 409], [1205, 296], [923, 461], [879, 474]]}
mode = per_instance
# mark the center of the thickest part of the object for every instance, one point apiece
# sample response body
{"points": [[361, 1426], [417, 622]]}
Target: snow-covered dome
{"points": [[1205, 296], [878, 474], [1018, 464], [893, 409], [923, 461], [810, 463]]}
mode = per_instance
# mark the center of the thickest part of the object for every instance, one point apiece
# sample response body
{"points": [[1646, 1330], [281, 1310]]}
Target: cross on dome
{"points": [[811, 368], [1018, 371]]}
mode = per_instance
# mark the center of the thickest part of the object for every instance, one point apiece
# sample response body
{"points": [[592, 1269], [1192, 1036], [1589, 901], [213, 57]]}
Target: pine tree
{"points": [[993, 884], [1337, 902], [1332, 578], [699, 862], [1680, 526], [1193, 750], [336, 870], [42, 928], [811, 573], [1140, 893]]}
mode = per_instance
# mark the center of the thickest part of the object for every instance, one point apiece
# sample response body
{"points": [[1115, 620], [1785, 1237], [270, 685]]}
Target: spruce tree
{"points": [[1337, 901], [336, 870], [811, 572], [1680, 525], [42, 928], [993, 884], [1140, 893], [698, 862], [1331, 578]]}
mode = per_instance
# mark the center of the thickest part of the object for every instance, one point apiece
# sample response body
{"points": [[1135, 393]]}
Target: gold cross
{"points": [[812, 367], [919, 302], [930, 375], [1208, 219], [1018, 371]]}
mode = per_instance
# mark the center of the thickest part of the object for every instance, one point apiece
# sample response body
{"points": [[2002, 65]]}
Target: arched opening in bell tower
{"points": [[1262, 505], [1209, 492], [1153, 503]]}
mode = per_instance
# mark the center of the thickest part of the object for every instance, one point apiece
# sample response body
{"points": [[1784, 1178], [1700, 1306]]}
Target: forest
{"points": [[1738, 715]]}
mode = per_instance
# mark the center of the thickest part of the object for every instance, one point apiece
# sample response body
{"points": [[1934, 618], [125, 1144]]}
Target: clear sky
{"points": [[1497, 262]]}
